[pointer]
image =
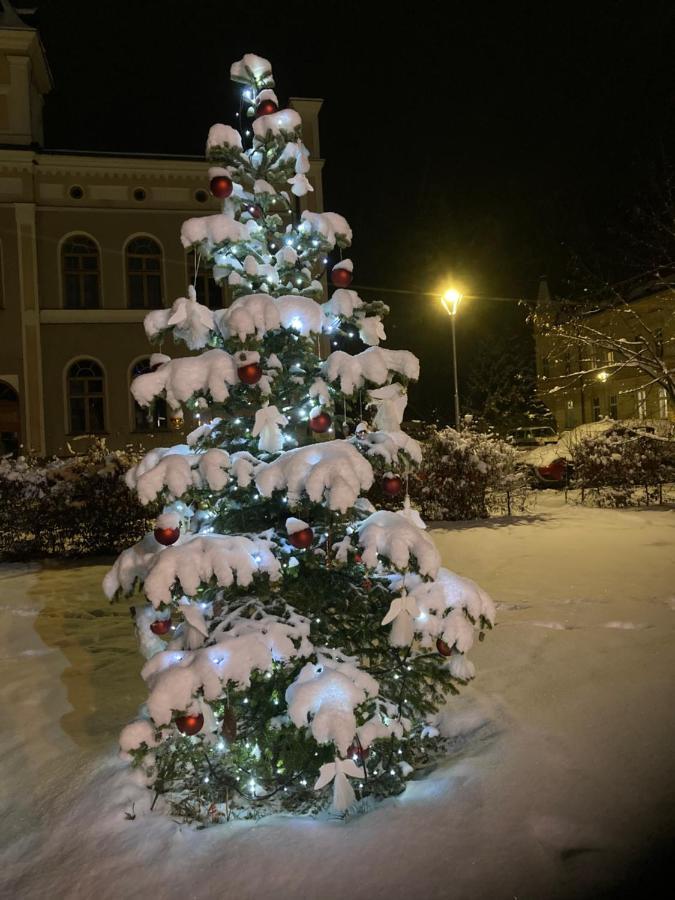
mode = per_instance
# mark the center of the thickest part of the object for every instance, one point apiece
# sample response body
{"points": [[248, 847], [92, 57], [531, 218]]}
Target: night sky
{"points": [[462, 141]]}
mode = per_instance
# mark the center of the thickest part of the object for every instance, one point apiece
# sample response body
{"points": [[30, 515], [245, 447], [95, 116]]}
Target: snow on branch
{"points": [[177, 470], [334, 470], [375, 365], [180, 379], [388, 445], [192, 322], [391, 536], [214, 230], [332, 227]]}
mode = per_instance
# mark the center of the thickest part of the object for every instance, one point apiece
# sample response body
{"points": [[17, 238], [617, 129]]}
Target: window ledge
{"points": [[92, 316]]}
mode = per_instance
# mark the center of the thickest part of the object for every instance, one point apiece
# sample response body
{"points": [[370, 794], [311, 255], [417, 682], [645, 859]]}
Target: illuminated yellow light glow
{"points": [[603, 376], [451, 300]]}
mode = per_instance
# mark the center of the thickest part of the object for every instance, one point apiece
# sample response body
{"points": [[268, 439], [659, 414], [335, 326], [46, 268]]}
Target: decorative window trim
{"points": [[62, 295], [162, 268], [66, 396]]}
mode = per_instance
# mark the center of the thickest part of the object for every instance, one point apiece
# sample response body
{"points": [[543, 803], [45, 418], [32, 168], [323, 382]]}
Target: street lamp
{"points": [[451, 300]]}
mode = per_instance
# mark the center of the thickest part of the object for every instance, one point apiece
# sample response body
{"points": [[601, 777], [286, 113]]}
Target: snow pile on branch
{"points": [[285, 122], [343, 302], [212, 230], [388, 445], [137, 733], [267, 427], [254, 314], [199, 559], [302, 314], [130, 566], [327, 694], [391, 536], [223, 136], [390, 402], [180, 379], [332, 227], [335, 469], [252, 69], [374, 365], [178, 470], [191, 321]]}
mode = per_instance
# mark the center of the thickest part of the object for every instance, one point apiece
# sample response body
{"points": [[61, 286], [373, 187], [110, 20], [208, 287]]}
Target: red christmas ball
{"points": [[190, 724], [320, 423], [392, 485], [221, 186], [357, 558], [167, 536], [256, 212], [358, 753], [301, 539], [341, 277], [250, 374], [266, 108], [161, 626], [443, 648]]}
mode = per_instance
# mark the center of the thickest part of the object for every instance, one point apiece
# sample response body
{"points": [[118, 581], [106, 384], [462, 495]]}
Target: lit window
{"points": [[81, 273], [201, 276], [153, 417], [144, 273], [663, 403], [86, 395], [641, 404]]}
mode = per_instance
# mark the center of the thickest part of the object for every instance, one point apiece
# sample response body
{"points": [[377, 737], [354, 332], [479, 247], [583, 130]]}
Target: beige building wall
{"points": [[45, 197]]}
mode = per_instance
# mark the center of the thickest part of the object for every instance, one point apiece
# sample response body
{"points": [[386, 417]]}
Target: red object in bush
{"points": [[190, 724], [161, 626], [443, 647], [266, 108], [320, 423], [554, 471], [167, 536], [392, 485]]}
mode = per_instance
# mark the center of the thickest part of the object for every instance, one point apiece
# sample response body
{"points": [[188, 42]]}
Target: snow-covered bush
{"points": [[623, 466], [69, 507], [468, 475]]}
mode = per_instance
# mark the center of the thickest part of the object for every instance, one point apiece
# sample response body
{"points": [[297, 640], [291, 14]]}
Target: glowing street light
{"points": [[451, 300]]}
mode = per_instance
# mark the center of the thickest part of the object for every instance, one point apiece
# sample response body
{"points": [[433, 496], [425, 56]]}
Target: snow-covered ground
{"points": [[560, 783]]}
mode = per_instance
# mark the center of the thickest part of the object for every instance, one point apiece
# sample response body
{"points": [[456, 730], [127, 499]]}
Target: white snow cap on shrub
{"points": [[294, 525], [334, 470]]}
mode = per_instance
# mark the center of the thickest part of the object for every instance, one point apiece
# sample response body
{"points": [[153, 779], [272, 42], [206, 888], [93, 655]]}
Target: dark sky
{"points": [[461, 139]]}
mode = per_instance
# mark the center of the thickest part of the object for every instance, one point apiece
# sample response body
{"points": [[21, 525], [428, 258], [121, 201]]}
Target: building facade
{"points": [[581, 383], [88, 243]]}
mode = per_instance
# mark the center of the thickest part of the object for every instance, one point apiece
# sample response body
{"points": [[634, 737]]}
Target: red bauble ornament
{"points": [[190, 724], [320, 423], [161, 626], [443, 648], [265, 108], [358, 753], [250, 374], [341, 277], [392, 485], [221, 186], [167, 536], [357, 558], [302, 539], [256, 212]]}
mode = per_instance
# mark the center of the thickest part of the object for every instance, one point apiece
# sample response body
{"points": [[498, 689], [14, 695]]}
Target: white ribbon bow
{"points": [[338, 772]]}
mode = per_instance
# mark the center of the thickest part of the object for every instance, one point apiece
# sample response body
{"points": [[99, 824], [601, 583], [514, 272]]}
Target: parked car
{"points": [[532, 436]]}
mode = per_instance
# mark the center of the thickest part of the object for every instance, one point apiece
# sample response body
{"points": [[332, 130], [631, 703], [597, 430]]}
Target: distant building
{"points": [[582, 384], [88, 243]]}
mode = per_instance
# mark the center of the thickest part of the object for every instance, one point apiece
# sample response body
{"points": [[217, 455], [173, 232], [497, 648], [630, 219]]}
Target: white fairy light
{"points": [[206, 779], [303, 782], [220, 745]]}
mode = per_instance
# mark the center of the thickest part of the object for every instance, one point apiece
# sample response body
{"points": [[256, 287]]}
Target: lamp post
{"points": [[451, 300]]}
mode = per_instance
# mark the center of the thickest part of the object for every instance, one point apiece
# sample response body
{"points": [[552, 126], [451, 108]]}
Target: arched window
{"points": [[144, 273], [81, 272], [86, 397], [208, 292], [153, 417]]}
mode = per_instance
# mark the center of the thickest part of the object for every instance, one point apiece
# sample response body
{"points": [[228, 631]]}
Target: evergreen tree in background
{"points": [[299, 641]]}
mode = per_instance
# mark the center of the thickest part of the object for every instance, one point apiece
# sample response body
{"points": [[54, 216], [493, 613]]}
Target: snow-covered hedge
{"points": [[468, 475], [623, 467], [69, 507]]}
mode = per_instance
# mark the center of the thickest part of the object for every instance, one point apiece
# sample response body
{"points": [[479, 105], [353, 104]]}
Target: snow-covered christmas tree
{"points": [[299, 640]]}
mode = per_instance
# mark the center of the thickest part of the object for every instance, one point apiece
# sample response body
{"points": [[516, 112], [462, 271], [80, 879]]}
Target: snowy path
{"points": [[561, 781]]}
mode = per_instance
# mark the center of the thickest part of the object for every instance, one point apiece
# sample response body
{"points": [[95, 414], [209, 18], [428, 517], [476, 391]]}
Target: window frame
{"points": [[63, 273], [144, 273], [67, 396]]}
